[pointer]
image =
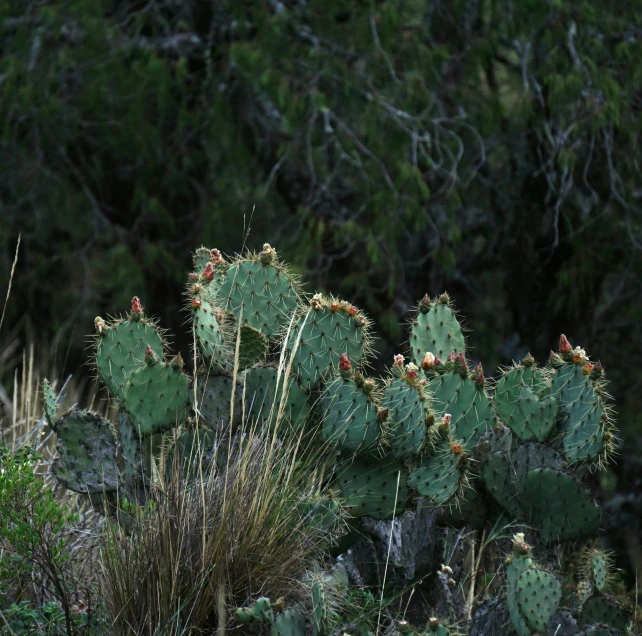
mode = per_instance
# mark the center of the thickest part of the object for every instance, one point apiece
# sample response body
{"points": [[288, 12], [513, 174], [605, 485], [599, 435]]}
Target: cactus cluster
{"points": [[434, 429]]}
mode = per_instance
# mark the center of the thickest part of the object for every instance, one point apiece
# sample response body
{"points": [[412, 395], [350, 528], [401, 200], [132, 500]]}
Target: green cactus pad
{"points": [[49, 402], [214, 399], [326, 334], [211, 336], [518, 564], [436, 329], [252, 348], [263, 293], [538, 594], [583, 417], [595, 566], [524, 408], [470, 407], [129, 447], [559, 506], [261, 390], [601, 609], [368, 487], [260, 611], [120, 348], [323, 512], [200, 258], [439, 477], [87, 453], [500, 482], [350, 416], [291, 622], [406, 427], [192, 451], [439, 629], [319, 609], [157, 397]]}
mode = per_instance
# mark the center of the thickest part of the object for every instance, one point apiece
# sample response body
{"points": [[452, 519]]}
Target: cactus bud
{"points": [[100, 325], [334, 306], [317, 301], [208, 272], [451, 357], [587, 368], [428, 362], [519, 544], [368, 386], [382, 415], [352, 310], [433, 624], [196, 303], [177, 361], [564, 345], [528, 360], [478, 377], [137, 308], [598, 371], [268, 254], [398, 361], [438, 361], [150, 356], [445, 420], [579, 355], [344, 362], [424, 304], [193, 276], [411, 371], [456, 448], [196, 288], [215, 256]]}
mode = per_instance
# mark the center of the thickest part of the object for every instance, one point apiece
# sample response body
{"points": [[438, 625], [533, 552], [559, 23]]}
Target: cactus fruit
{"points": [[435, 329], [49, 402], [121, 346], [87, 453], [156, 395], [522, 404], [559, 506], [321, 334], [369, 487]]}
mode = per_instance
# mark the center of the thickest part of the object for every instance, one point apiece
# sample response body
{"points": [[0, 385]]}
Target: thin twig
{"points": [[13, 269]]}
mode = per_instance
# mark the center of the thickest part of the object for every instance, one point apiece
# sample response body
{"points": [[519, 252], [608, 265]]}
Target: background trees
{"points": [[387, 148]]}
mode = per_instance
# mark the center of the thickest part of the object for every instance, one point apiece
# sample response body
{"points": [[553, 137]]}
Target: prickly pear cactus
{"points": [[49, 402]]}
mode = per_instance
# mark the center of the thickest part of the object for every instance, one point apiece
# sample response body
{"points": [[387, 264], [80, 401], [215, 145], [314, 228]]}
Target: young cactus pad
{"points": [[435, 329], [538, 594], [121, 346], [49, 402]]}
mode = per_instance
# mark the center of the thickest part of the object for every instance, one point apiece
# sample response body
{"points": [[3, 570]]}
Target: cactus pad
{"points": [[500, 481], [211, 335], [252, 348], [327, 329], [436, 329], [319, 609], [559, 506], [538, 594], [291, 622], [470, 407], [439, 477], [595, 567], [214, 398], [604, 610], [129, 447], [350, 415], [262, 292], [369, 485], [120, 348], [406, 428], [49, 403], [261, 390], [157, 396], [87, 453], [524, 408], [517, 566]]}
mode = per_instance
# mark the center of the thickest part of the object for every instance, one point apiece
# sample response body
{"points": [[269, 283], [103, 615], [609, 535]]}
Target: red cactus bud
{"points": [[598, 367], [478, 375], [215, 256], [334, 306], [344, 362], [411, 372], [192, 276], [438, 361], [316, 302], [456, 448], [352, 310], [137, 308], [208, 272], [424, 304], [398, 361], [429, 361], [565, 345], [149, 351], [587, 368], [460, 359], [451, 357], [382, 414], [196, 303]]}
